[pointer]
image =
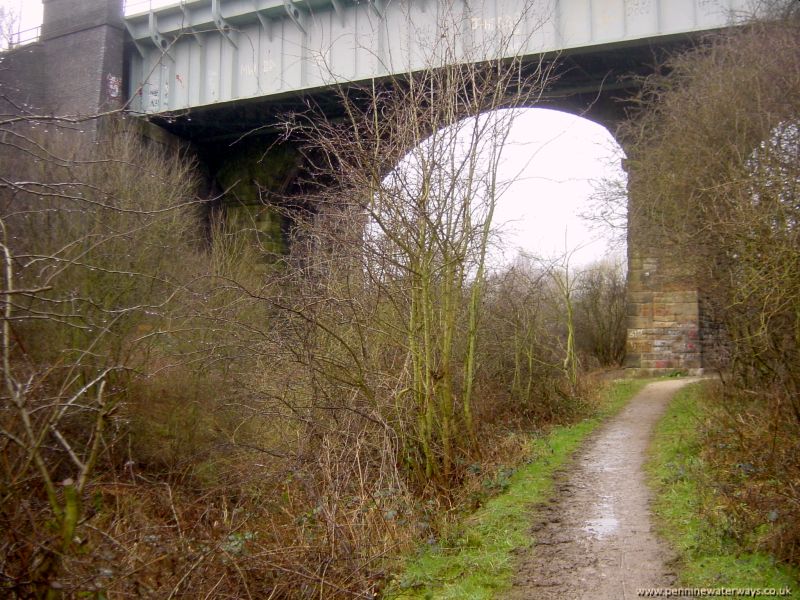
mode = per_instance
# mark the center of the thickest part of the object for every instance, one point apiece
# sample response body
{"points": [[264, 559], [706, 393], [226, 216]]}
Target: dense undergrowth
{"points": [[186, 414], [722, 496], [713, 161]]}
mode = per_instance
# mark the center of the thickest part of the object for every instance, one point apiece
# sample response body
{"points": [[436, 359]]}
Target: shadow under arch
{"points": [[268, 165]]}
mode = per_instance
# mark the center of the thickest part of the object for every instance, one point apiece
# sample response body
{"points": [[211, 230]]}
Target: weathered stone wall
{"points": [[663, 315], [78, 87], [663, 331], [76, 67], [258, 176], [83, 42]]}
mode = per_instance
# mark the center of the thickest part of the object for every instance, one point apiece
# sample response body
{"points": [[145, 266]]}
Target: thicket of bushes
{"points": [[715, 157], [176, 422]]}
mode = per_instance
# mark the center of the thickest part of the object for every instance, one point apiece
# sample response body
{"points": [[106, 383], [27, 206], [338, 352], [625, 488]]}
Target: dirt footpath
{"points": [[595, 539]]}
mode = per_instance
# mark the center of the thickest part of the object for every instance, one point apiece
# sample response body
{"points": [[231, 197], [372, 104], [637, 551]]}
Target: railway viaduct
{"points": [[208, 71]]}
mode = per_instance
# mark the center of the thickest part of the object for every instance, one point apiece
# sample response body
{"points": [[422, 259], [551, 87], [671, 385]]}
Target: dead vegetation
{"points": [[714, 157], [177, 423]]}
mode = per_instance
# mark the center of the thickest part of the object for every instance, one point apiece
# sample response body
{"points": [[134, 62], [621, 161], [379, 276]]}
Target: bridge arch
{"points": [[663, 309], [89, 52]]}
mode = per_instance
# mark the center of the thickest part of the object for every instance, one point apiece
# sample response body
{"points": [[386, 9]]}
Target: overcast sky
{"points": [[558, 158], [28, 11], [561, 159]]}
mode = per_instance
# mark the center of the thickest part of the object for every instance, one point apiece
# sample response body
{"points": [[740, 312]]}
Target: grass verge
{"points": [[680, 479], [475, 560]]}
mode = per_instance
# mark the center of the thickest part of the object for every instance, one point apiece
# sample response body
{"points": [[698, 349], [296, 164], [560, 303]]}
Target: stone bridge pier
{"points": [[77, 68], [664, 316]]}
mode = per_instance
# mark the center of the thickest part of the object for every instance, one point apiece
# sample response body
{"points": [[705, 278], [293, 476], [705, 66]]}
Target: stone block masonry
{"points": [[22, 80], [665, 329], [83, 42], [663, 332]]}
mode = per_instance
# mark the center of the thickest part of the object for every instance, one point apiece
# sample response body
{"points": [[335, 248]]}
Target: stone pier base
{"points": [[664, 333]]}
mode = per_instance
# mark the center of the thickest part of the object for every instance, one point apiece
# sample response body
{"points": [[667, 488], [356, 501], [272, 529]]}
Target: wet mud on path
{"points": [[595, 538]]}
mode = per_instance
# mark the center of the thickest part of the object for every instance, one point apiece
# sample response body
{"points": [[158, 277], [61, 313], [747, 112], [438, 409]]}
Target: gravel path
{"points": [[595, 539]]}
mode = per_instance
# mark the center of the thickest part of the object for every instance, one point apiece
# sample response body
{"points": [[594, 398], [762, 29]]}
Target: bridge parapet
{"points": [[72, 67]]}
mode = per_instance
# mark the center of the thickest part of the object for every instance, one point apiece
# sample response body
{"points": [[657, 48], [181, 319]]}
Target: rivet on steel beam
{"points": [[296, 14], [222, 25]]}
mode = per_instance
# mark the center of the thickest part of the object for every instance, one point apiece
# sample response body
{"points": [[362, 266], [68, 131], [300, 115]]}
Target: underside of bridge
{"points": [[248, 154], [245, 150]]}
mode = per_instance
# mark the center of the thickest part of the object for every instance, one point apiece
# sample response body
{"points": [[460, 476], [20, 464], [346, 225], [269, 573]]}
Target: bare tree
{"points": [[600, 310], [422, 225], [526, 336], [9, 26]]}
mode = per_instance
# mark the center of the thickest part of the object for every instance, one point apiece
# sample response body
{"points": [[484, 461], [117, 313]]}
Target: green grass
{"points": [[677, 471], [476, 560]]}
